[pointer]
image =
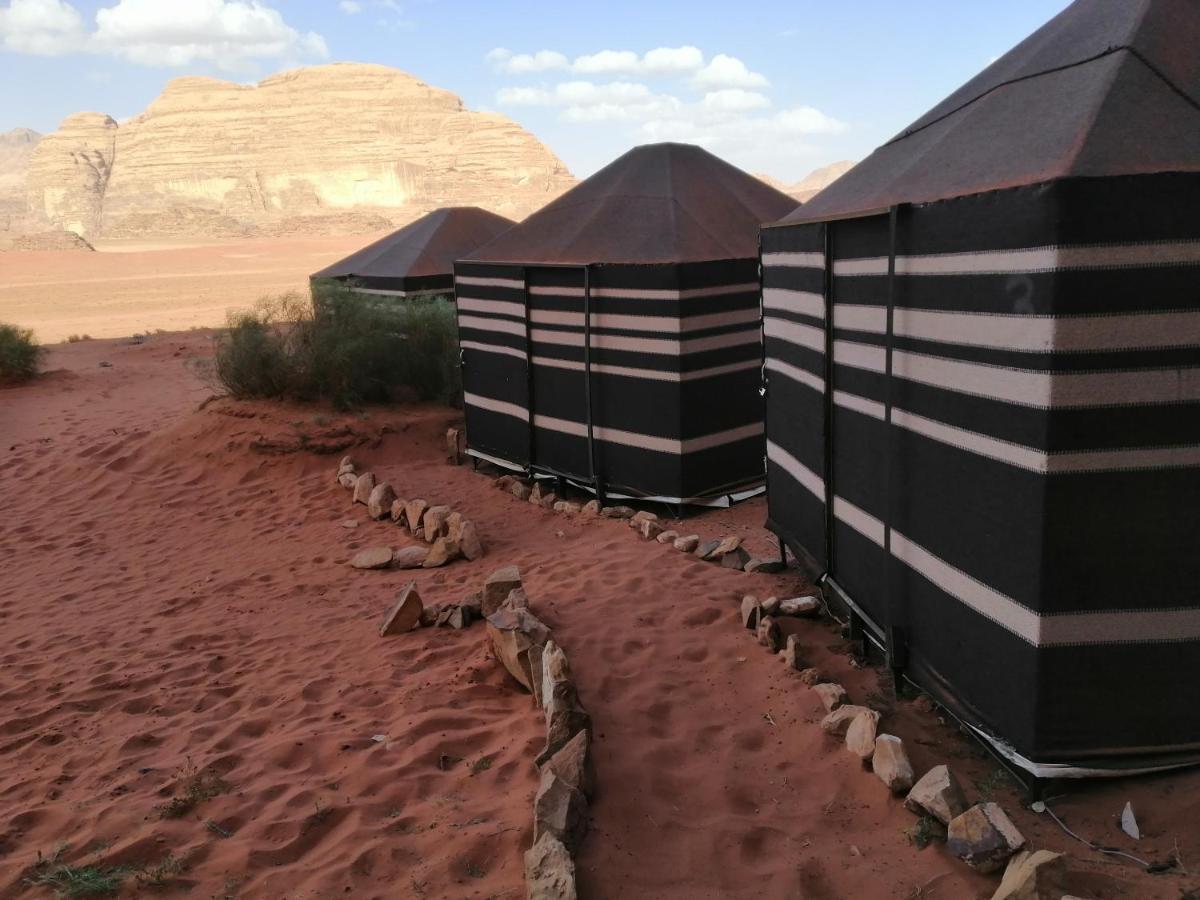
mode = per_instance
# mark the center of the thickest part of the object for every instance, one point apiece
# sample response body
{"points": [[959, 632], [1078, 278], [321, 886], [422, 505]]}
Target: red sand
{"points": [[174, 591]]}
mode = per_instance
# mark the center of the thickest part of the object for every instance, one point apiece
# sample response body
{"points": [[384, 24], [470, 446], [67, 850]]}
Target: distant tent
{"points": [[419, 258], [614, 336], [983, 391]]}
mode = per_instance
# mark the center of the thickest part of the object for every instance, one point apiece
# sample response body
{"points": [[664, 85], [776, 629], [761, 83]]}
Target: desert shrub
{"points": [[20, 356], [342, 347]]}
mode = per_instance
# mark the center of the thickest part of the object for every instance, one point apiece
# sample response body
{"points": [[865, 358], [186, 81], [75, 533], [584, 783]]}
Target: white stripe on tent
{"points": [[852, 317], [652, 374], [496, 406], [492, 307], [380, 292], [658, 324], [1131, 626], [795, 260], [801, 474], [647, 345], [1030, 260], [493, 348], [795, 333], [616, 435], [476, 281], [786, 300], [615, 293], [859, 404], [808, 379], [1047, 390], [862, 356], [505, 326], [1063, 334]]}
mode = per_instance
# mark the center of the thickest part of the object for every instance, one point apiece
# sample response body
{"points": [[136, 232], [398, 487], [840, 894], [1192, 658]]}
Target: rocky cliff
{"points": [[304, 146], [16, 149], [815, 182]]}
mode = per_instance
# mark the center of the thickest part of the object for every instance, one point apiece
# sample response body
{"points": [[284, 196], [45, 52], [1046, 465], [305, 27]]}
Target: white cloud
{"points": [[526, 63], [734, 100], [656, 62], [350, 7], [226, 33], [728, 72], [41, 27], [586, 101]]}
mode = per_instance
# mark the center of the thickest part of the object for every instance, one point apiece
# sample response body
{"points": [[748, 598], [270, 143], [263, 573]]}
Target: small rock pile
{"points": [[982, 835], [526, 648], [450, 534], [409, 612], [726, 552]]}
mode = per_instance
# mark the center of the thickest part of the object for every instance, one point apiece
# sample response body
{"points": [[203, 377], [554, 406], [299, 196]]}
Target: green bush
{"points": [[20, 356], [342, 347]]}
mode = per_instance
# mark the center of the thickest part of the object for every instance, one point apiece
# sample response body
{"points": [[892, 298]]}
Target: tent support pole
{"points": [[587, 379]]}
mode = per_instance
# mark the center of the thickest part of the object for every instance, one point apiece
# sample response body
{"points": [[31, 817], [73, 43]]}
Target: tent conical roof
{"points": [[1106, 88], [425, 247], [661, 203]]}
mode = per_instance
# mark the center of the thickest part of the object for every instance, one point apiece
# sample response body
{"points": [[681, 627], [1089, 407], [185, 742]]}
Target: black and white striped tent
{"points": [[418, 259], [983, 392], [614, 336]]}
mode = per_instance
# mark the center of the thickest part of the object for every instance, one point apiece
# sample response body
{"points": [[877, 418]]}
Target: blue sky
{"points": [[775, 87]]}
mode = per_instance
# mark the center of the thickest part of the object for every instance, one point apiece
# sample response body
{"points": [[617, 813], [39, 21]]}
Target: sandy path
{"points": [[128, 288], [169, 594]]}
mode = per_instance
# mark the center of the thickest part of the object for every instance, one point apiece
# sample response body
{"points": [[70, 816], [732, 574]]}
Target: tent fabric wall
{"points": [[1025, 513], [666, 340]]}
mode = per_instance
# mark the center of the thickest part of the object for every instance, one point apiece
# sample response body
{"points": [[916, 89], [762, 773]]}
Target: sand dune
{"points": [[175, 594]]}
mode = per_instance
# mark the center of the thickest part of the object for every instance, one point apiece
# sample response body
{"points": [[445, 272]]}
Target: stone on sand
{"points": [[770, 606], [409, 557], [379, 501], [838, 722], [512, 633], [687, 543], [890, 763], [649, 529], [348, 480], [404, 614], [363, 485], [707, 549], [573, 764], [860, 736], [347, 465], [1034, 876], [791, 653], [560, 810], [727, 545], [984, 837], [831, 695], [443, 551], [413, 513], [641, 516], [937, 794], [751, 612], [735, 559], [800, 606], [549, 871], [591, 508], [617, 512], [468, 541], [397, 510], [567, 721], [764, 566], [769, 634], [434, 523], [811, 676], [555, 670], [667, 537], [520, 490], [498, 586], [372, 558], [454, 446]]}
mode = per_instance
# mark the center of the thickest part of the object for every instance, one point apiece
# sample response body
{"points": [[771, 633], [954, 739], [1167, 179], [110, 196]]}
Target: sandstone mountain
{"points": [[324, 148], [815, 182], [812, 183], [16, 149]]}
